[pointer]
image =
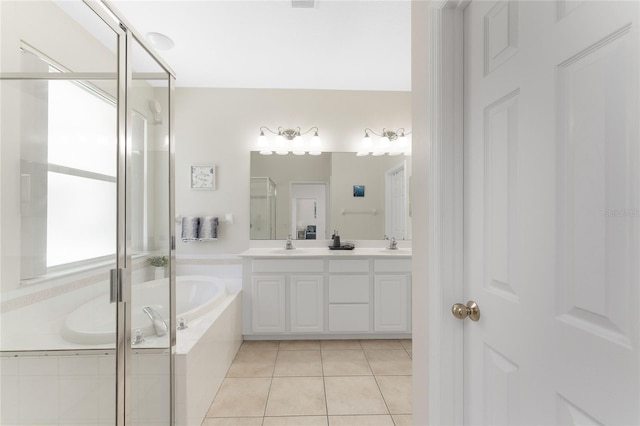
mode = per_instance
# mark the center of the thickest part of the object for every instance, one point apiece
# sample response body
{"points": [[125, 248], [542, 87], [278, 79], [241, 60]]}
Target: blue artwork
{"points": [[358, 190]]}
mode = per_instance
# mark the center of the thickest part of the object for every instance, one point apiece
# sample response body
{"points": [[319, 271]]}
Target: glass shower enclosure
{"points": [[263, 209], [87, 294]]}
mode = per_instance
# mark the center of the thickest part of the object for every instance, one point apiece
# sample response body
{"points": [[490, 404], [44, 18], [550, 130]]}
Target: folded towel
{"points": [[208, 229], [190, 225]]}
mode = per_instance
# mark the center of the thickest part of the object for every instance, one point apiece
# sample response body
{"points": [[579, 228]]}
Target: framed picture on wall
{"points": [[358, 190], [203, 177]]}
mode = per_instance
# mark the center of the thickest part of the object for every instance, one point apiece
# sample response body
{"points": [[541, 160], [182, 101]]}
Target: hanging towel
{"points": [[190, 226], [208, 228]]}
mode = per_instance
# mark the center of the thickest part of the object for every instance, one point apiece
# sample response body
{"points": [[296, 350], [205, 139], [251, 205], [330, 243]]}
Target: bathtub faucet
{"points": [[159, 324]]}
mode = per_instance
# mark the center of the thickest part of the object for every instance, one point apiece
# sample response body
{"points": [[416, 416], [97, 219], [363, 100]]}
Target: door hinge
{"points": [[115, 290]]}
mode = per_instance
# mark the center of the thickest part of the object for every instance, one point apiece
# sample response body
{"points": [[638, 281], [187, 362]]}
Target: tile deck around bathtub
{"points": [[332, 382]]}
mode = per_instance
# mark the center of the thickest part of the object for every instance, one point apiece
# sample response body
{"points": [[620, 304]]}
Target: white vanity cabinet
{"points": [[306, 306], [349, 296], [286, 296], [268, 307], [326, 296], [392, 295]]}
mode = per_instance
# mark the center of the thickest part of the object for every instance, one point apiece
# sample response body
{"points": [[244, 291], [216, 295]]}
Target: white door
{"points": [[396, 202], [308, 201], [551, 214]]}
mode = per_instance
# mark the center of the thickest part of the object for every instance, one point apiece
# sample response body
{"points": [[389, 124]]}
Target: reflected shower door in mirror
{"points": [[263, 209], [383, 212]]}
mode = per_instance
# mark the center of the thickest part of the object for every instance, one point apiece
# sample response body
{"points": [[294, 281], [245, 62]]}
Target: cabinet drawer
{"points": [[392, 265], [349, 289], [289, 265], [357, 265], [349, 318]]}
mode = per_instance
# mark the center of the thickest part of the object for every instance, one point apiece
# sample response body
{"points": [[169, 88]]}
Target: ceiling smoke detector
{"points": [[303, 4]]}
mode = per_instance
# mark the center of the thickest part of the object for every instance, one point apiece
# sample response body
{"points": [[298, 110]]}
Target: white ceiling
{"points": [[336, 45]]}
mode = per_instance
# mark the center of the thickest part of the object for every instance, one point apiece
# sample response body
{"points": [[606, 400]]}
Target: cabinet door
{"points": [[268, 304], [391, 303], [306, 304]]}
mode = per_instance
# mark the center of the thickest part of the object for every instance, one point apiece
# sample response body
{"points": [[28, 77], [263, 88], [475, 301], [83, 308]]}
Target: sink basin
{"points": [[400, 251], [283, 251]]}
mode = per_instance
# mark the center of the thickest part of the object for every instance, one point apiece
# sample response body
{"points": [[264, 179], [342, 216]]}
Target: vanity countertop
{"points": [[306, 252]]}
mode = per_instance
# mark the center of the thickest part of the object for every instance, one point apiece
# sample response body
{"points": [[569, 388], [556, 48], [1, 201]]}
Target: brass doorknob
{"points": [[471, 310]]}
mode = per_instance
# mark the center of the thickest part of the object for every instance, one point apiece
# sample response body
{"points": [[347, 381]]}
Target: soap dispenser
{"points": [[336, 239]]}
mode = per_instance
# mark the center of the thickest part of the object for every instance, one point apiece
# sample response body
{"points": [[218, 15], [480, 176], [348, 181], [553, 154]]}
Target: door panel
{"points": [[551, 212]]}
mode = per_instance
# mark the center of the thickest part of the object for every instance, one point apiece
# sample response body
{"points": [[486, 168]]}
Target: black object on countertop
{"points": [[343, 247]]}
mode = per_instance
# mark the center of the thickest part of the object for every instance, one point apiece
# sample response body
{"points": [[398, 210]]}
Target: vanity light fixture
{"points": [[391, 142], [289, 140]]}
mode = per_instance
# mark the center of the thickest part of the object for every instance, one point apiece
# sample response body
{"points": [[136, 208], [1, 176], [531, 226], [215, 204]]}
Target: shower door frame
{"points": [[121, 281], [122, 275]]}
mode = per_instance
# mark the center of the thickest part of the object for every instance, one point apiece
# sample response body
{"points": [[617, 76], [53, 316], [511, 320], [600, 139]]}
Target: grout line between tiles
{"points": [[323, 382], [386, 404], [266, 403], [324, 385]]}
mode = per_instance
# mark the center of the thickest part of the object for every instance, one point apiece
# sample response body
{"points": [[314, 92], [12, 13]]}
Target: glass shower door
{"points": [[151, 314], [59, 223], [85, 191]]}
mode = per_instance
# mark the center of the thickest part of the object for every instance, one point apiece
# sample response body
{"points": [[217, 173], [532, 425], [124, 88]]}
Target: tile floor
{"points": [[316, 382]]}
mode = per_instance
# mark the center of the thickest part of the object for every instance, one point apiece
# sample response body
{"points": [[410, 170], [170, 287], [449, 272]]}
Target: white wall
{"points": [[221, 126]]}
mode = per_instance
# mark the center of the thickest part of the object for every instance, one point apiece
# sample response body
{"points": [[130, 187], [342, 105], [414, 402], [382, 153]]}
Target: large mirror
{"points": [[308, 197]]}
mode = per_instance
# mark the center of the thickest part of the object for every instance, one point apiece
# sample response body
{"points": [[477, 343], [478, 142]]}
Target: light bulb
{"points": [[367, 143], [298, 145], [402, 141], [316, 144], [383, 146], [263, 144], [385, 143], [280, 145], [262, 140]]}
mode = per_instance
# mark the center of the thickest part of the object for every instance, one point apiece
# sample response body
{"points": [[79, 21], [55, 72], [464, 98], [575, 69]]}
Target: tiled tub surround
{"points": [[311, 382], [77, 384]]}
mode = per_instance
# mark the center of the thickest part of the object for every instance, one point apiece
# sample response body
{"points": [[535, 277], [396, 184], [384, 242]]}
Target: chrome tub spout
{"points": [[159, 325]]}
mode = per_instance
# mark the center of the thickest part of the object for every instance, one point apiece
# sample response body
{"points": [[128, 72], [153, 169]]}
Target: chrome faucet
{"points": [[289, 245], [159, 325], [393, 244], [138, 337]]}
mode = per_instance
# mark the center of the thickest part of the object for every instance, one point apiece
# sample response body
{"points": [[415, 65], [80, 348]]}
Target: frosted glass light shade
{"points": [[262, 140], [298, 145], [315, 145], [263, 144], [385, 143], [367, 146], [281, 148]]}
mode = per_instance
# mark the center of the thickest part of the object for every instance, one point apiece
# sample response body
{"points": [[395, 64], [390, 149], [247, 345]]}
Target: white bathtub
{"points": [[203, 352], [93, 323]]}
